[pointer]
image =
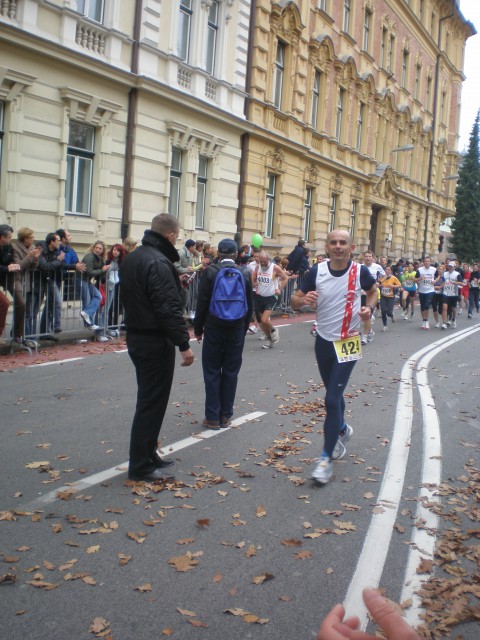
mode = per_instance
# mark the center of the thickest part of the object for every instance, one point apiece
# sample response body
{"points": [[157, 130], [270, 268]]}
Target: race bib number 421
{"points": [[348, 349]]}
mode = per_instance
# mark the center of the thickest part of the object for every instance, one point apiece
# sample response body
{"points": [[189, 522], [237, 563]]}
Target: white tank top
{"points": [[265, 281], [427, 276], [332, 302]]}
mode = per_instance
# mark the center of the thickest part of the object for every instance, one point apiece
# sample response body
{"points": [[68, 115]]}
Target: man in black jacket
{"points": [[152, 298], [51, 263], [223, 341], [7, 269]]}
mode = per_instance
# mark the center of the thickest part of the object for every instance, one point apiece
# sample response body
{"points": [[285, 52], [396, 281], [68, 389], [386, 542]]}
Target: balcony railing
{"points": [[8, 8], [90, 38]]}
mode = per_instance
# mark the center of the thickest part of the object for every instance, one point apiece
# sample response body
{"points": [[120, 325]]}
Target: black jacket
{"points": [[205, 289], [296, 259], [6, 258], [50, 266], [151, 291]]}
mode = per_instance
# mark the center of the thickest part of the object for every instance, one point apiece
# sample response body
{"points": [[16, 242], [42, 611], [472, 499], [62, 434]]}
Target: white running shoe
{"points": [[274, 337], [394, 319], [86, 318], [268, 344], [370, 336], [454, 324], [384, 328], [341, 445], [263, 337], [364, 340], [101, 338], [252, 329], [459, 311], [438, 325], [427, 325], [323, 471], [444, 325]]}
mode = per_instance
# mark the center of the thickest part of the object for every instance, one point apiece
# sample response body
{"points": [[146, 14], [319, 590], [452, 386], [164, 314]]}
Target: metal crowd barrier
{"points": [[44, 306]]}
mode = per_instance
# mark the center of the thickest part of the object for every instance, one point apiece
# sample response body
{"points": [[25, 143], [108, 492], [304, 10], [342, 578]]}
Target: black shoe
{"points": [[58, 330], [225, 422], [161, 463], [154, 475], [211, 424]]}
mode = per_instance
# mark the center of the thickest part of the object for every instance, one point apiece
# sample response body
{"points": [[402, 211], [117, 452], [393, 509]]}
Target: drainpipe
{"points": [[245, 137], [131, 118], [434, 127]]}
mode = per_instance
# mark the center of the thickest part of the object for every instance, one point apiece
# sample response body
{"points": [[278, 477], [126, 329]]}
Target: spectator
{"points": [[7, 270], [114, 259], [96, 268], [184, 268], [51, 266], [223, 339], [296, 257], [243, 255], [130, 244], [72, 263], [26, 254]]}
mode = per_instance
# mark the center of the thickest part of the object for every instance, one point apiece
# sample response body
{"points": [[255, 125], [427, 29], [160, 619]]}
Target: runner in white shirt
{"points": [[251, 266], [334, 287], [268, 281], [425, 277], [451, 281], [377, 272]]}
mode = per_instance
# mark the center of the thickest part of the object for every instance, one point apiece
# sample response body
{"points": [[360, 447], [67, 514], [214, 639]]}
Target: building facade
{"points": [[356, 107], [112, 111]]}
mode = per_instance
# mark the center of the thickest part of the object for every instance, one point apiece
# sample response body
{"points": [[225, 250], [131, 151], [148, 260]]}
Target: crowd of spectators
{"points": [[36, 273]]}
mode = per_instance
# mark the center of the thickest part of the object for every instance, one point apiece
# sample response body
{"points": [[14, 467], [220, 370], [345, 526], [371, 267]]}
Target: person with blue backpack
{"points": [[222, 317]]}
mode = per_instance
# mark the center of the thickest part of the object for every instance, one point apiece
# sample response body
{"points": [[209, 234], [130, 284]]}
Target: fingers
{"points": [[387, 618]]}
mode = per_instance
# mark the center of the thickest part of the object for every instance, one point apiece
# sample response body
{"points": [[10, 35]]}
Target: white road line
{"points": [[47, 364], [370, 564], [108, 474]]}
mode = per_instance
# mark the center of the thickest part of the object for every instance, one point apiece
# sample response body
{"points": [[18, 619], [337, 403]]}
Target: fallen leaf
{"points": [[425, 566], [37, 465], [123, 559], [89, 580], [98, 625], [144, 588], [345, 526], [186, 541], [186, 612], [94, 549], [203, 522], [183, 563], [302, 555], [251, 551], [260, 512], [292, 543], [218, 577], [262, 578]]}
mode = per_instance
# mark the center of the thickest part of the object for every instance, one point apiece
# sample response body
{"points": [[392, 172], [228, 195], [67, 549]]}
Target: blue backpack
{"points": [[229, 297]]}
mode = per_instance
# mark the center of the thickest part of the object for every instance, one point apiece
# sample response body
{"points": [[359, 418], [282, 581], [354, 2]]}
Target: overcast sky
{"points": [[471, 87]]}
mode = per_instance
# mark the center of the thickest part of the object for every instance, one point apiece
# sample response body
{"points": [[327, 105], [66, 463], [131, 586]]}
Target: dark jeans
{"points": [[154, 361], [386, 307], [473, 300], [52, 311], [221, 361], [335, 376]]}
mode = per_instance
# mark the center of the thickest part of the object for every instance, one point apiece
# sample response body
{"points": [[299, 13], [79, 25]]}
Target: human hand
{"points": [[199, 338], [81, 267], [364, 314], [187, 358], [61, 255], [311, 298], [334, 627], [13, 267]]}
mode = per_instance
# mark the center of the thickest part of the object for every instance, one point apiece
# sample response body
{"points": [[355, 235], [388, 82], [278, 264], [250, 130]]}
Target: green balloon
{"points": [[257, 240]]}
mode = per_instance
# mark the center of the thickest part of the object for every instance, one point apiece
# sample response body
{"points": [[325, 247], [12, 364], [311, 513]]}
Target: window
{"points": [[346, 16], [404, 68], [78, 186], [416, 89], [272, 179], [323, 5], [175, 183], [361, 116], [315, 98], [92, 9], [443, 101], [184, 28], [383, 52], [2, 131], [341, 97], [308, 213], [390, 53], [333, 211], [353, 215], [428, 98], [366, 29], [201, 192], [212, 36], [278, 77]]}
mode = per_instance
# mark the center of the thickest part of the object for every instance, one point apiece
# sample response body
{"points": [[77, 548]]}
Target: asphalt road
{"points": [[242, 530]]}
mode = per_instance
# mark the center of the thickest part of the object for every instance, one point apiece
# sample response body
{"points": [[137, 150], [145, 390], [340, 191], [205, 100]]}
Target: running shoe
{"points": [[323, 471], [252, 329], [264, 337], [341, 446], [370, 336], [274, 336], [444, 325], [101, 338], [384, 328], [86, 318], [364, 340], [394, 319], [427, 325], [469, 315], [411, 318], [459, 311], [454, 324], [268, 344]]}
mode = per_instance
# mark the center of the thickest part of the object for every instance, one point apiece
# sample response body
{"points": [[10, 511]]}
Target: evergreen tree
{"points": [[465, 238]]}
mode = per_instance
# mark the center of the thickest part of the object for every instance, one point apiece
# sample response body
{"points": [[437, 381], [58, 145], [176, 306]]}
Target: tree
{"points": [[465, 238]]}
